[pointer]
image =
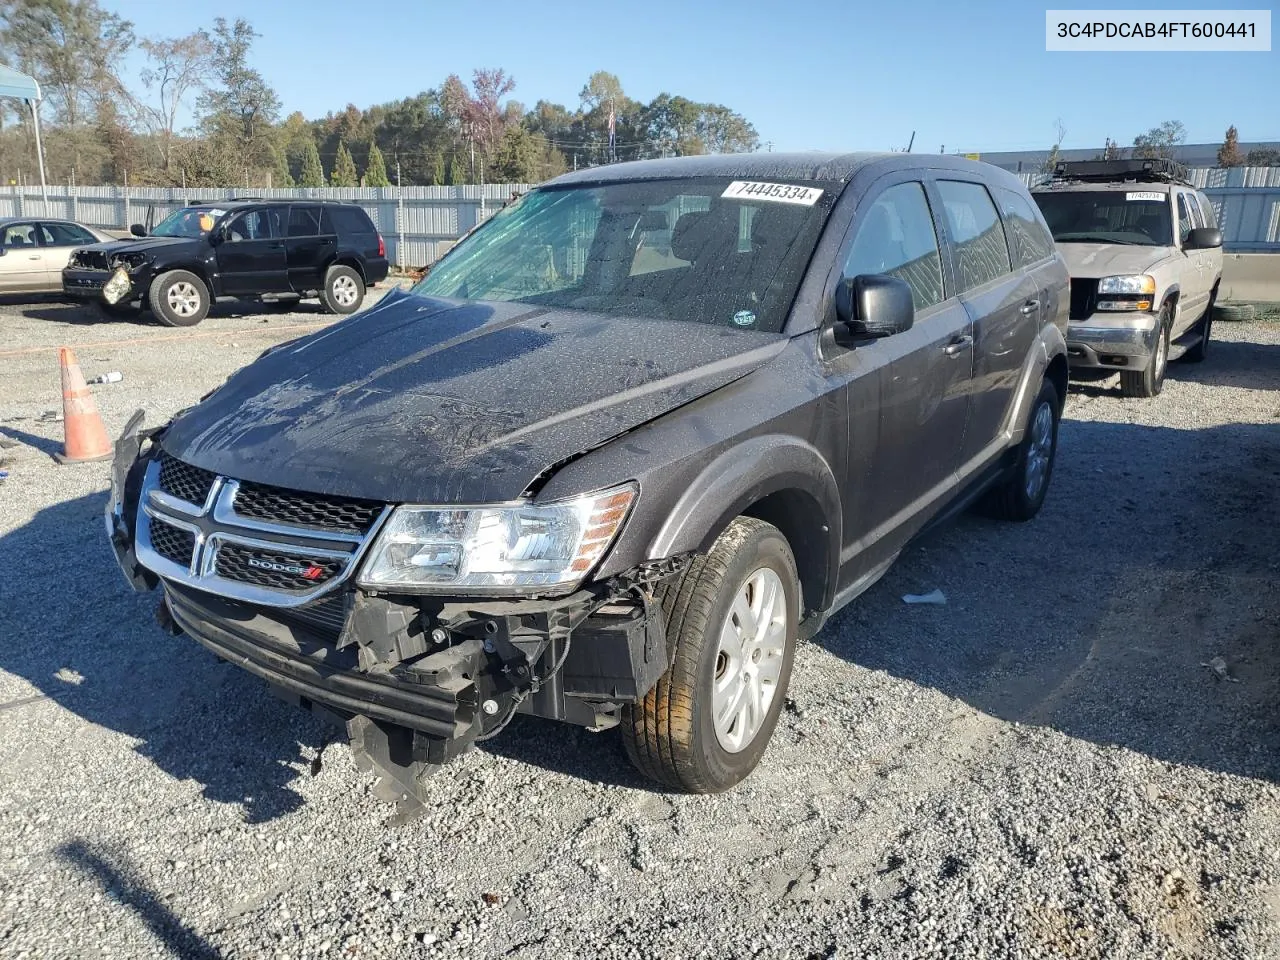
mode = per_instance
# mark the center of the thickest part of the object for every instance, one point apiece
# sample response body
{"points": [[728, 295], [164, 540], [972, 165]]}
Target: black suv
{"points": [[244, 249], [614, 456]]}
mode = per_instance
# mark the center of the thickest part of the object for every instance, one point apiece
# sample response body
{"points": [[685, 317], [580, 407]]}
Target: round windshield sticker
{"points": [[744, 318]]}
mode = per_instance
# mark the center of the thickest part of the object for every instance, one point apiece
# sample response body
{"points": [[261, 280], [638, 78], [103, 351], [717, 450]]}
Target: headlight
{"points": [[130, 261], [489, 549], [1134, 285]]}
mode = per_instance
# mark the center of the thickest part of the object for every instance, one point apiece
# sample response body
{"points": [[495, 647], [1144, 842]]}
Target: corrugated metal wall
{"points": [[427, 218], [1247, 201]]}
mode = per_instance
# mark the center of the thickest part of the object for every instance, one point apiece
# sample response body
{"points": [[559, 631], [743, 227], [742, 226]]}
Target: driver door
{"points": [[251, 254]]}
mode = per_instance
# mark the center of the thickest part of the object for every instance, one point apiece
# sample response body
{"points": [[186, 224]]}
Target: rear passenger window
{"points": [[1029, 239], [981, 251], [897, 237], [346, 220], [304, 221]]}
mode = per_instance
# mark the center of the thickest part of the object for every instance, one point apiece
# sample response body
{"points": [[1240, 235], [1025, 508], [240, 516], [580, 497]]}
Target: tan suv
{"points": [[1145, 256]]}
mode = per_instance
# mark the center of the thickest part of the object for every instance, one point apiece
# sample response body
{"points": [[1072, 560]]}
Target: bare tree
{"points": [[177, 67], [1052, 160]]}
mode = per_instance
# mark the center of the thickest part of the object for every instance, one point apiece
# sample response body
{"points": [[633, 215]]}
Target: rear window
{"points": [[1139, 216], [981, 250], [304, 221], [345, 220], [1029, 241]]}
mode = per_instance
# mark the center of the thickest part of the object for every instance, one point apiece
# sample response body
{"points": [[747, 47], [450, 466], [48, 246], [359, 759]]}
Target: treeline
{"points": [[102, 127]]}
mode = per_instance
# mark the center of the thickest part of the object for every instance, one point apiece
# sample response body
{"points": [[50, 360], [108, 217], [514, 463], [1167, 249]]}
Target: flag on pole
{"points": [[613, 152]]}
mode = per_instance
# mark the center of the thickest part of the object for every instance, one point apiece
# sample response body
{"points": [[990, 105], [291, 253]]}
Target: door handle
{"points": [[958, 346], [1030, 307], [34, 256]]}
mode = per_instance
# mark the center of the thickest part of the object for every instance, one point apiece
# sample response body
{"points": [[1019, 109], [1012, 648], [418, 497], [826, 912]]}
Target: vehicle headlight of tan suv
{"points": [[1130, 292]]}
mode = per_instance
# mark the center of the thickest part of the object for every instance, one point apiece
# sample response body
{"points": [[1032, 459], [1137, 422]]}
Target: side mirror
{"points": [[872, 306], [1203, 238], [138, 230]]}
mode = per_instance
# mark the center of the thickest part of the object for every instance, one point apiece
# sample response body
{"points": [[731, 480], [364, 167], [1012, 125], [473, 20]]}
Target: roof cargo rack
{"points": [[1149, 170]]}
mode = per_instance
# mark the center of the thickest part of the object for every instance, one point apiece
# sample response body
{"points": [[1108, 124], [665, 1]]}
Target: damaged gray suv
{"points": [[618, 452]]}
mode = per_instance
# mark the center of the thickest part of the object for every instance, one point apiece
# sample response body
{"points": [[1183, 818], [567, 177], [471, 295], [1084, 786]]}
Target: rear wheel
{"points": [[1021, 494], [1149, 381], [732, 621], [343, 290], [179, 298]]}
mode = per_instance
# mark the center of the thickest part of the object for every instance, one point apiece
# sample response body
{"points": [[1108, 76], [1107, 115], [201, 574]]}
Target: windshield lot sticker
{"points": [[744, 318], [777, 192], [1144, 195]]}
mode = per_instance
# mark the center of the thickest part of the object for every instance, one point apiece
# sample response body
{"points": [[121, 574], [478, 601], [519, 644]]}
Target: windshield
{"points": [[707, 250], [187, 222], [1139, 217]]}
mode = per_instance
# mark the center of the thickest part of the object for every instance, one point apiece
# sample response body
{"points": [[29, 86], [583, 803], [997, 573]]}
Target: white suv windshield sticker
{"points": [[1144, 196], [777, 192]]}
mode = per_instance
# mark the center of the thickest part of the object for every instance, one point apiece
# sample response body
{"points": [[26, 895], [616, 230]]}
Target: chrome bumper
{"points": [[1112, 341]]}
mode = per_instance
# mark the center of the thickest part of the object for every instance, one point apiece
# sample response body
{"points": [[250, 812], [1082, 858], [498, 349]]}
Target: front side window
{"points": [[1185, 223], [1137, 216], [253, 225], [896, 237], [982, 254], [66, 235], [1206, 208], [1029, 240], [705, 249]]}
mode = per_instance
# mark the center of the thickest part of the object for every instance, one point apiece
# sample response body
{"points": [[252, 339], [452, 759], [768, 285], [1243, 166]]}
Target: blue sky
{"points": [[818, 75]]}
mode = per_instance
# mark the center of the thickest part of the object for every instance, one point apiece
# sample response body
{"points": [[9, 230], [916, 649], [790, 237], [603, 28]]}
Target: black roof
{"points": [[772, 166]]}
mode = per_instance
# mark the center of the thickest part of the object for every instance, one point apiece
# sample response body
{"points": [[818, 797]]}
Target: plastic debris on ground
{"points": [[935, 597], [115, 376], [1219, 668]]}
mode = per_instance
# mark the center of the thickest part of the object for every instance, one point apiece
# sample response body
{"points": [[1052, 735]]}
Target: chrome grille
{"points": [[184, 481], [193, 530], [280, 571], [173, 543], [321, 512]]}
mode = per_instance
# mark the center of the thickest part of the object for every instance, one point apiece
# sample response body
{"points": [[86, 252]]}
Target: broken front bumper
{"points": [[416, 680], [1113, 341]]}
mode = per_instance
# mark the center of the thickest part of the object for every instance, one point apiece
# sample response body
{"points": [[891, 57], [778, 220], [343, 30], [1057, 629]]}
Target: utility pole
{"points": [[768, 146], [911, 141], [399, 217]]}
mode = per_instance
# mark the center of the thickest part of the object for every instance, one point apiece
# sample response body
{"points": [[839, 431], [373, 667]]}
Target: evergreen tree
{"points": [[312, 173], [1229, 154], [375, 171], [457, 172], [437, 169], [344, 168], [280, 176]]}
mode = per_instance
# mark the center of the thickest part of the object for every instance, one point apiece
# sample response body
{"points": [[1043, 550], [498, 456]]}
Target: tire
{"points": [[1234, 312], [1149, 381], [343, 290], [179, 298], [1020, 495], [672, 735], [1205, 328]]}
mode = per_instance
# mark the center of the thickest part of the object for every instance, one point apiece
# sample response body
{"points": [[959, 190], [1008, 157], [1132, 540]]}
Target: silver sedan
{"points": [[33, 252]]}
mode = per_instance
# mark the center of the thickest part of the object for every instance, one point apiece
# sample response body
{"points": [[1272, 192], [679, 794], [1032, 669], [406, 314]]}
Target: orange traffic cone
{"points": [[85, 435]]}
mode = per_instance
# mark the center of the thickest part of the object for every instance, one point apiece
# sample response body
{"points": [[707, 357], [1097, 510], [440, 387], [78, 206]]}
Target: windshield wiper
{"points": [[1093, 238]]}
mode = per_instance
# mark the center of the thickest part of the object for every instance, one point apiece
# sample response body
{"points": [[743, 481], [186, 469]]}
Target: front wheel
{"points": [[179, 298], [732, 622], [343, 290], [1149, 381], [1020, 495]]}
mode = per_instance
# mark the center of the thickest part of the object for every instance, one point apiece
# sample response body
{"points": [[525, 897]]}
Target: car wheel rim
{"points": [[344, 291], [1040, 451], [184, 299], [753, 642], [1162, 353]]}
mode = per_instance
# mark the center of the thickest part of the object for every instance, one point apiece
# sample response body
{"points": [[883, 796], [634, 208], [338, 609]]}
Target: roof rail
{"points": [[243, 199], [1148, 170]]}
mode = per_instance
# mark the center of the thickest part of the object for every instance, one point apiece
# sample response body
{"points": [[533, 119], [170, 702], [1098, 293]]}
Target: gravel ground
{"points": [[1043, 767]]}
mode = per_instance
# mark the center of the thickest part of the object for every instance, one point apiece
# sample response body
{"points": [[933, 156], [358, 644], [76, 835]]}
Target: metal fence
{"points": [[418, 223]]}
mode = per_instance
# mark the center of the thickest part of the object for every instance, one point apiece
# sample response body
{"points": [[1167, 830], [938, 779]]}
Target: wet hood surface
{"points": [[1112, 259], [444, 401]]}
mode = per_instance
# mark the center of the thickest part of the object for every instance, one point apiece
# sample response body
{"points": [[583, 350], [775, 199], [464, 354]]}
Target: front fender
{"points": [[744, 475]]}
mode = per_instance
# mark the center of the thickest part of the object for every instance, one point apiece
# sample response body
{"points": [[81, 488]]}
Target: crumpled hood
{"points": [[1095, 260], [136, 245], [446, 401]]}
